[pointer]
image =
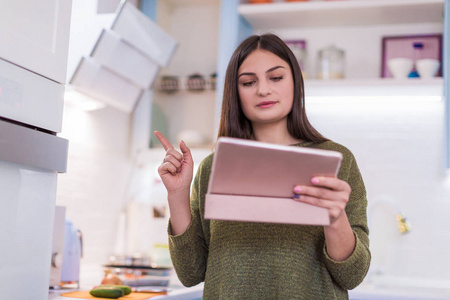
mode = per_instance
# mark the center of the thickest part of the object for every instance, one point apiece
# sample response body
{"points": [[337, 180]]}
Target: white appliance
{"points": [[72, 253], [34, 38]]}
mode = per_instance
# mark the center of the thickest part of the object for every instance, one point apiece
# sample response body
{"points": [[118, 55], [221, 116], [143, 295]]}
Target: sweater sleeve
{"points": [[350, 273], [189, 250]]}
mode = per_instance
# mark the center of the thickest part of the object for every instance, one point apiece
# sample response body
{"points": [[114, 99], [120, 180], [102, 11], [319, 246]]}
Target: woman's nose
{"points": [[264, 89]]}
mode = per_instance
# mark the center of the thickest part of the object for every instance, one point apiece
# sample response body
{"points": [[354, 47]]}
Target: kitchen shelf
{"points": [[341, 13], [412, 87]]}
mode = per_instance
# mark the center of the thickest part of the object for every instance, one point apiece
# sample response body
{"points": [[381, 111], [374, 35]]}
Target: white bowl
{"points": [[400, 67], [427, 68]]}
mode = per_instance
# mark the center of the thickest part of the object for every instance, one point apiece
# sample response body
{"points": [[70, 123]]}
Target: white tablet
{"points": [[254, 181]]}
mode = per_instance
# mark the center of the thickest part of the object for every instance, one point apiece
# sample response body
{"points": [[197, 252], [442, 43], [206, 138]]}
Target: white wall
{"points": [[99, 169], [399, 149]]}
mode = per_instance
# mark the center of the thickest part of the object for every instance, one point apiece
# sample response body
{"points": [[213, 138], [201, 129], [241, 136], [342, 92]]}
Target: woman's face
{"points": [[265, 87]]}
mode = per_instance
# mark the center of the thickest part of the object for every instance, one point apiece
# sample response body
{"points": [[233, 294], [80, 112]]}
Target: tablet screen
{"points": [[252, 168]]}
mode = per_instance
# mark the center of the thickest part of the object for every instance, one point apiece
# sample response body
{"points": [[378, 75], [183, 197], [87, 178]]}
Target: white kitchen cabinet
{"points": [[34, 38], [29, 162], [35, 35], [29, 98]]}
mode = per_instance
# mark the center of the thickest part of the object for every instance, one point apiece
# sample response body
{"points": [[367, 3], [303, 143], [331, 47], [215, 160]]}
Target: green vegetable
{"points": [[106, 292], [125, 288]]}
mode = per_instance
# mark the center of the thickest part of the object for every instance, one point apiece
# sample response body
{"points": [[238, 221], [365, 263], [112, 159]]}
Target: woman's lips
{"points": [[266, 104]]}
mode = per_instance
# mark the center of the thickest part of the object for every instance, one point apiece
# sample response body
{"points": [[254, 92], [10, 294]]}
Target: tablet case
{"points": [[253, 181]]}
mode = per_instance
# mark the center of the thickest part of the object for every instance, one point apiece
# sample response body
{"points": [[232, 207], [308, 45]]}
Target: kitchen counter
{"points": [[92, 274], [383, 288], [392, 290], [177, 292]]}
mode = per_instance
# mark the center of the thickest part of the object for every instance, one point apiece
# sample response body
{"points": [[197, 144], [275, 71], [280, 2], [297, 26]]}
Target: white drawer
{"points": [[30, 98]]}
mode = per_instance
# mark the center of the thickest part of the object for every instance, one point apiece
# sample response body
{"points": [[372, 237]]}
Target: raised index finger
{"points": [[164, 141]]}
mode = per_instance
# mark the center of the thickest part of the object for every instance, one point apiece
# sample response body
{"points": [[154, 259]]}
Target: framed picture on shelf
{"points": [[413, 47], [298, 47]]}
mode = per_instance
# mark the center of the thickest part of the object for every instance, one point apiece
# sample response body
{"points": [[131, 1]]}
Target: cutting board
{"points": [[132, 296]]}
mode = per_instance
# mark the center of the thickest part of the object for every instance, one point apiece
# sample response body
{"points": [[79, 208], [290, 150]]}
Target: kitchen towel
{"points": [[132, 296]]}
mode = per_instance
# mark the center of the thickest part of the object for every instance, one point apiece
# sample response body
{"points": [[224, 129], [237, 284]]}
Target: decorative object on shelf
{"points": [[417, 54], [196, 82], [427, 67], [331, 63], [213, 81], [169, 84], [298, 47], [400, 67], [414, 47], [259, 1]]}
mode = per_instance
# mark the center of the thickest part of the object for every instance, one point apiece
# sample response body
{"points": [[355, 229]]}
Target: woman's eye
{"points": [[248, 83], [277, 78]]}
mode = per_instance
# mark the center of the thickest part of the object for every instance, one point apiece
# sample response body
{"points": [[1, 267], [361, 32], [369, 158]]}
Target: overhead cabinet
{"points": [[35, 36]]}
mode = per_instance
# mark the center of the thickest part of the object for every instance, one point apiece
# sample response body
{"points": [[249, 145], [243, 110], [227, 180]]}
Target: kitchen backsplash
{"points": [[99, 169]]}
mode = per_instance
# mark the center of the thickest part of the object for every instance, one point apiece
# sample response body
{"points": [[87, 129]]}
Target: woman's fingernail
{"points": [[315, 180], [296, 196], [298, 189]]}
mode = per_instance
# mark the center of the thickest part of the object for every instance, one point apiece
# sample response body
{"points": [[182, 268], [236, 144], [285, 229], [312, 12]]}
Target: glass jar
{"points": [[330, 63]]}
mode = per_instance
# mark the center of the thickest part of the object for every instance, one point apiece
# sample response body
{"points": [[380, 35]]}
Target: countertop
{"points": [[363, 292], [92, 274], [177, 292], [370, 289], [392, 290]]}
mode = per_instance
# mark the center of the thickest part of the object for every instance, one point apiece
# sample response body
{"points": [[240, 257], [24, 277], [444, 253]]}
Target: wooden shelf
{"points": [[341, 13]]}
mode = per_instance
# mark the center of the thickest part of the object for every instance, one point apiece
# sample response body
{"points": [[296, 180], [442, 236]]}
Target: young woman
{"points": [[264, 100]]}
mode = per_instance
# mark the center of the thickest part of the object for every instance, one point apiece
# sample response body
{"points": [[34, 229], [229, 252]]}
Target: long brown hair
{"points": [[233, 122]]}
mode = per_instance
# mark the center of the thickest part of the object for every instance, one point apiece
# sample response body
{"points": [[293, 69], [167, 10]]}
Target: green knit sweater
{"points": [[246, 260]]}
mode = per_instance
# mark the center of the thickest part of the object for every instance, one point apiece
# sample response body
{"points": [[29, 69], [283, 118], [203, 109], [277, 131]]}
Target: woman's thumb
{"points": [[186, 153]]}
